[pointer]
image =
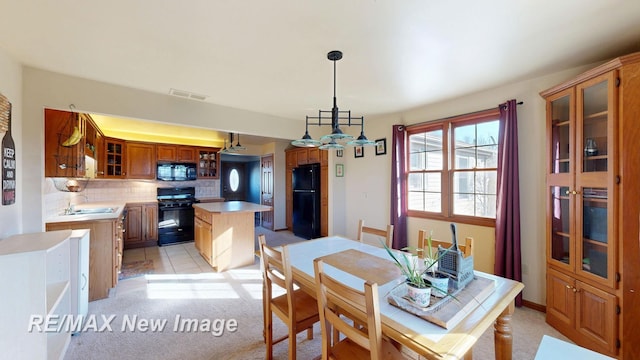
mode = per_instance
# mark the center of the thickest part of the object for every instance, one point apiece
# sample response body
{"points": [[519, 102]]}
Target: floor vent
{"points": [[187, 94]]}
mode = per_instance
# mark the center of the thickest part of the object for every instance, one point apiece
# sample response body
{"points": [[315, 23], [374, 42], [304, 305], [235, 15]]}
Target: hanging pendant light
{"points": [[330, 141], [239, 147]]}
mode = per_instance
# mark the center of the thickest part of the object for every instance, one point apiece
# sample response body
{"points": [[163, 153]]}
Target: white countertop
{"points": [[61, 217], [231, 206]]}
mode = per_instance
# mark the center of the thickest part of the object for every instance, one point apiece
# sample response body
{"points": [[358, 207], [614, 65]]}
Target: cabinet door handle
{"points": [[84, 278], [567, 192]]}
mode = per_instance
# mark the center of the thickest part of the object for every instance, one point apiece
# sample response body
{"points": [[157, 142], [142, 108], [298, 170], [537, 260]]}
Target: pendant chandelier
{"points": [[232, 149], [335, 139]]}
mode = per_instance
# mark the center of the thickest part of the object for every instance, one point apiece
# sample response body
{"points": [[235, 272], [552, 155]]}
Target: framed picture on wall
{"points": [[381, 146], [339, 153], [339, 170], [358, 151]]}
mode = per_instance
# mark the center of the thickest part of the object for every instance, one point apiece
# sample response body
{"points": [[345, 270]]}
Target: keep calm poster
{"points": [[8, 154]]}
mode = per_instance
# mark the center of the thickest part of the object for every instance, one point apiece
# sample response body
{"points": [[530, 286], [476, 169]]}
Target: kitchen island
{"points": [[225, 234]]}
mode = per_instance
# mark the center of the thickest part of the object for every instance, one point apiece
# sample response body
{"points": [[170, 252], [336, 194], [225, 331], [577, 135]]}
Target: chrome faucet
{"points": [[69, 209]]}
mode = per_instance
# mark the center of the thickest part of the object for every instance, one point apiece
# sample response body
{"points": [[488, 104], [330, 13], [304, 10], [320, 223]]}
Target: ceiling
{"points": [[270, 56]]}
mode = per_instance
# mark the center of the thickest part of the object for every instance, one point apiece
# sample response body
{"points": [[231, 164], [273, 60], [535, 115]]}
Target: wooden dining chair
{"points": [[386, 234], [423, 236], [358, 342], [297, 309]]}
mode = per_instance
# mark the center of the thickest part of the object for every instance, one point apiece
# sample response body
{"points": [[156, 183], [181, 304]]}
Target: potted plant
{"points": [[422, 277], [412, 268], [438, 281]]}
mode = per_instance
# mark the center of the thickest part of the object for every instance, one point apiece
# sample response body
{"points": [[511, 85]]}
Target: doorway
{"points": [[267, 190], [240, 179], [233, 181]]}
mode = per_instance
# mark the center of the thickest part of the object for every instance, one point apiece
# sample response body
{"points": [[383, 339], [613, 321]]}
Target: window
{"points": [[234, 180], [452, 168]]}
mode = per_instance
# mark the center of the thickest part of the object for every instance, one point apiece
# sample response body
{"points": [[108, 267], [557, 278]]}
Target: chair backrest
{"points": [[423, 236], [336, 299], [386, 234], [276, 270]]}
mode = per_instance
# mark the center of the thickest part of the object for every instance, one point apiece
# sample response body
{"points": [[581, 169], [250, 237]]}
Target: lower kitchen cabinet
{"points": [[203, 239], [141, 225], [35, 283], [105, 252]]}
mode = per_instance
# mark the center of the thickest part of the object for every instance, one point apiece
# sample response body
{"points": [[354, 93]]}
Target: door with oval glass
{"points": [[233, 181]]}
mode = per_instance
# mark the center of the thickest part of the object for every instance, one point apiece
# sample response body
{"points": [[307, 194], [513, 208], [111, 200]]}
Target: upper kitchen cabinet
{"points": [[93, 137], [208, 163], [140, 160], [175, 153], [64, 133], [112, 164]]}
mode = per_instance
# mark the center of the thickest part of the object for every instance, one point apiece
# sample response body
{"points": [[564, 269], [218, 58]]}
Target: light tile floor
{"points": [[173, 259]]}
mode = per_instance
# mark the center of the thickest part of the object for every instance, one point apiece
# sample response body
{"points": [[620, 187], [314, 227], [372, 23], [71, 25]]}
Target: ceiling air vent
{"points": [[187, 94]]}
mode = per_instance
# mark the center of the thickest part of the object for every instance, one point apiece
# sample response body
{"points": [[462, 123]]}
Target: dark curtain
{"points": [[508, 261], [398, 188]]}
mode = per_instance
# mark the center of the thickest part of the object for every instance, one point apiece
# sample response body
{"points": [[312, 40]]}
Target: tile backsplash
{"points": [[98, 190]]}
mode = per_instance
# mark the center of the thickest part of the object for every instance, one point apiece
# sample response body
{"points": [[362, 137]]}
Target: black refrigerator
{"points": [[306, 201]]}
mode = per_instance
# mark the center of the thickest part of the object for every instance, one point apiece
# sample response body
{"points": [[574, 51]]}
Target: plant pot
{"points": [[439, 284], [419, 296]]}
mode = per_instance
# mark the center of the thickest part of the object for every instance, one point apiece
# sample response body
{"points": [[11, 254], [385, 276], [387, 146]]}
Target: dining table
{"points": [[351, 262]]}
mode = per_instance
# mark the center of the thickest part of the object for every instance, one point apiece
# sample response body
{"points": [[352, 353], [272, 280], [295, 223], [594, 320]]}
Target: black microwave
{"points": [[177, 171]]}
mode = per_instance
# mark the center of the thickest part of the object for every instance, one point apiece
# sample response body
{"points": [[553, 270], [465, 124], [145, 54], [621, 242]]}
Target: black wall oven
{"points": [[175, 215]]}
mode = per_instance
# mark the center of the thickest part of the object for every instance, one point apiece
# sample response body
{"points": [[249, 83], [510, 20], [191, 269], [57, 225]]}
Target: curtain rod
{"points": [[479, 111], [455, 116]]}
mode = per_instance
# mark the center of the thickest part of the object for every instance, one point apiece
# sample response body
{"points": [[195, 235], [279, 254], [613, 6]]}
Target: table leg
{"points": [[503, 334]]}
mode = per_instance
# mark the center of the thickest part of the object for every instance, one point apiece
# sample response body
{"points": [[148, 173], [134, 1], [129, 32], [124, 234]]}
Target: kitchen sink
{"points": [[101, 210]]}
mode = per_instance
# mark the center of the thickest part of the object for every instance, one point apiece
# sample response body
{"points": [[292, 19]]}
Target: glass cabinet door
{"points": [[561, 144], [594, 247], [594, 117], [561, 247]]}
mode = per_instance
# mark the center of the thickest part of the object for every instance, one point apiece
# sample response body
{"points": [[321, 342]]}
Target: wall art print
{"points": [[8, 154]]}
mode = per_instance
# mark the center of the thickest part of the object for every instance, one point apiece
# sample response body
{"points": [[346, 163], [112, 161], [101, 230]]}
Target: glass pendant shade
{"points": [[336, 134], [331, 145], [361, 141], [238, 147], [306, 141]]}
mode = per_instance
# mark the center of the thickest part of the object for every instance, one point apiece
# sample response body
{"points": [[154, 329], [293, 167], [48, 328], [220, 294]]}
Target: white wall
{"points": [[11, 88], [368, 180], [46, 89]]}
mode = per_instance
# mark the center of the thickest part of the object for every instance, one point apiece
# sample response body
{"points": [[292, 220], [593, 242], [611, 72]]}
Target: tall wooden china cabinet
{"points": [[593, 207]]}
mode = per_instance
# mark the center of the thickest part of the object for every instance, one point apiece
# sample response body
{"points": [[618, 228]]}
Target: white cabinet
{"points": [[80, 273], [35, 284]]}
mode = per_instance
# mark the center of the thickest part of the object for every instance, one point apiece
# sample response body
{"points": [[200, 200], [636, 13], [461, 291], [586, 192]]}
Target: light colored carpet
{"points": [[234, 294]]}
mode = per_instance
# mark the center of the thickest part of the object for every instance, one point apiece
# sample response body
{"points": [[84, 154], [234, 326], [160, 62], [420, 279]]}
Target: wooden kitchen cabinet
{"points": [[113, 159], [302, 156], [105, 252], [175, 153], [141, 225], [208, 163], [93, 137], [593, 207], [140, 160], [64, 144], [203, 239]]}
